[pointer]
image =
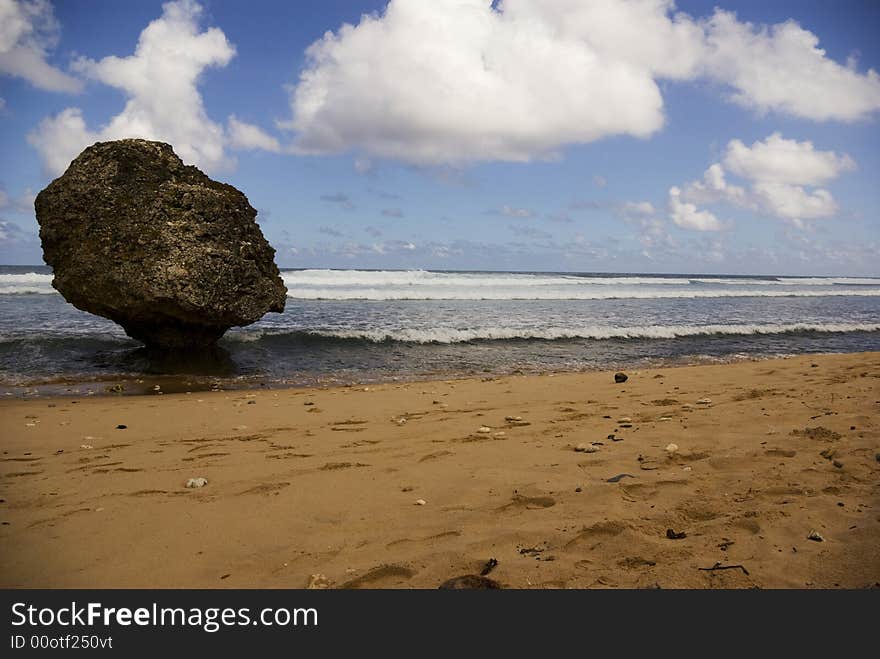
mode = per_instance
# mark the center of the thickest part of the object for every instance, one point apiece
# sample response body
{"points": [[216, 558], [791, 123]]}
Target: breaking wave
{"points": [[453, 335]]}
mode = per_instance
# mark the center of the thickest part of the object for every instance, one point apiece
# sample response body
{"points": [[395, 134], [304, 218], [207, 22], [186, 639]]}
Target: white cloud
{"points": [[512, 211], [778, 169], [778, 160], [160, 80], [59, 139], [28, 29], [600, 181], [686, 215], [782, 68], [714, 187], [792, 202], [243, 135], [456, 81]]}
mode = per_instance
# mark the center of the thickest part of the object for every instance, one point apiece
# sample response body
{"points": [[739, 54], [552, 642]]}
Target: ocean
{"points": [[360, 326]]}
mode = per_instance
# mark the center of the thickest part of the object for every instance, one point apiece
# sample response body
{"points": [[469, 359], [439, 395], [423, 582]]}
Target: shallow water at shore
{"points": [[343, 327]]}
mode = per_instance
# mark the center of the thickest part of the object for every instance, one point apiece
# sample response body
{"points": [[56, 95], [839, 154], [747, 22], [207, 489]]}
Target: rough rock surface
{"points": [[136, 236]]}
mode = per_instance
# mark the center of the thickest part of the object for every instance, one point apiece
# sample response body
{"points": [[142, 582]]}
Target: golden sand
{"points": [[407, 485]]}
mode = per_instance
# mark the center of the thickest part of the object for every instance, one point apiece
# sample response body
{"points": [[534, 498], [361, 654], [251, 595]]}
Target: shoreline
{"points": [[326, 481], [144, 384]]}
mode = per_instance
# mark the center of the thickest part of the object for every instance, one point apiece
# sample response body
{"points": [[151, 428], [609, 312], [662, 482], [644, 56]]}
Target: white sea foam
{"points": [[426, 293], [456, 335], [28, 282], [425, 285]]}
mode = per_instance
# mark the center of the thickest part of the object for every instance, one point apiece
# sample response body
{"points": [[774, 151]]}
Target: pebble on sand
{"points": [[421, 502], [816, 536], [484, 430], [513, 418], [671, 448], [197, 482], [585, 448], [704, 401], [318, 582], [619, 378]]}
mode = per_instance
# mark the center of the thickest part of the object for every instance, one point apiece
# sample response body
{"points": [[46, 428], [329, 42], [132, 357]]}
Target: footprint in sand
{"points": [[384, 576], [333, 466], [529, 503], [266, 488]]}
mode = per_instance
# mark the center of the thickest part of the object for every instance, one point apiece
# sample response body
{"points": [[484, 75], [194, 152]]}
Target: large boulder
{"points": [[136, 236]]}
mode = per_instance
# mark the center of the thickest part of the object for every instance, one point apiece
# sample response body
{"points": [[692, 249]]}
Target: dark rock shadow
{"points": [[212, 361]]}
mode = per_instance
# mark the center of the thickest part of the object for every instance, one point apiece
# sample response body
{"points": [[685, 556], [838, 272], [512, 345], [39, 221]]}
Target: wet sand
{"points": [[305, 482]]}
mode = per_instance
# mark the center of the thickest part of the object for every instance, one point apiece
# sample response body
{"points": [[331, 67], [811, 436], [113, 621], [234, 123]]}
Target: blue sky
{"points": [[601, 136]]}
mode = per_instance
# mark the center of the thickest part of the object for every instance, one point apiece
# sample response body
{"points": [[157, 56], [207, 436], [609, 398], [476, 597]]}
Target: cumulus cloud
{"points": [[454, 81], [778, 160], [28, 30], [245, 136], [687, 216], [714, 187], [782, 68], [161, 82], [783, 176], [457, 81]]}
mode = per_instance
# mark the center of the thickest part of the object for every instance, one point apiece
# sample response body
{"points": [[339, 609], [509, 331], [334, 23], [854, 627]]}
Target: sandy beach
{"points": [[408, 485]]}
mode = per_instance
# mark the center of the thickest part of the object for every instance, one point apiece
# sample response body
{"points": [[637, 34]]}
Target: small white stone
{"points": [[500, 433], [624, 419], [86, 446], [513, 418], [586, 448], [317, 582], [704, 401], [484, 430], [421, 502], [671, 448], [197, 482]]}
